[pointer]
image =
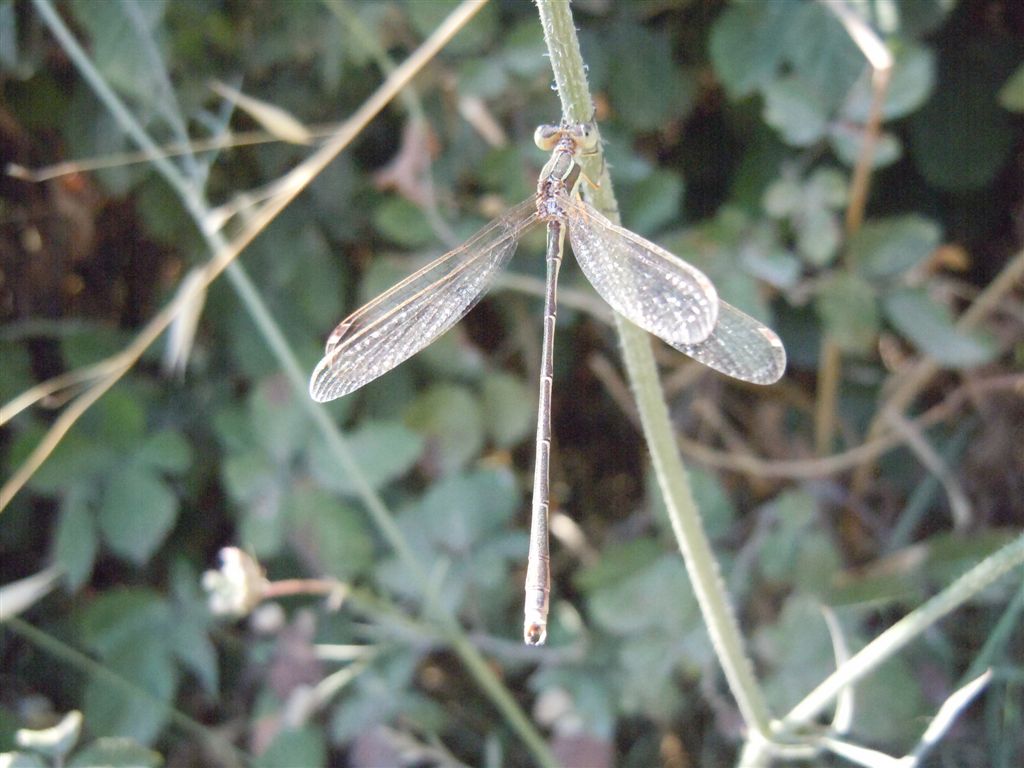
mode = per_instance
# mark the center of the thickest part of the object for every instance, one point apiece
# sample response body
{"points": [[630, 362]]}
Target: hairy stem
{"points": [[570, 77]]}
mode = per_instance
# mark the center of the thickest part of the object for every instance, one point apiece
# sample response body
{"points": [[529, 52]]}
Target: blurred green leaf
{"points": [[332, 538], [459, 512], [124, 49], [165, 218], [484, 78], [317, 290], [508, 409], [748, 41], [828, 187], [120, 617], [779, 268], [796, 552], [332, 193], [460, 527], [524, 50], [593, 700], [165, 451], [248, 475], [910, 85], [650, 686], [716, 510], [10, 56], [617, 563], [817, 235], [472, 38], [301, 746], [962, 137], [383, 450], [453, 355], [501, 170], [848, 143], [848, 309], [87, 343], [912, 81], [1011, 95], [190, 626], [658, 596], [643, 57], [128, 628], [888, 247], [403, 222], [75, 543], [276, 419], [822, 55], [797, 651], [231, 425], [783, 197], [262, 528], [795, 111], [136, 512], [919, 18], [15, 373], [653, 202], [146, 665], [890, 698], [928, 324], [256, 485], [449, 418], [793, 513], [92, 131], [115, 753], [23, 760], [118, 420], [382, 693]]}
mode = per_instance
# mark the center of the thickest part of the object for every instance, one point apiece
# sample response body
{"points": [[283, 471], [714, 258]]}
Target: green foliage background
{"points": [[731, 130]]}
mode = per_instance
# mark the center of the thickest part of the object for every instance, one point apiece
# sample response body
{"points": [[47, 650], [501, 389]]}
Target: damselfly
{"points": [[648, 285]]}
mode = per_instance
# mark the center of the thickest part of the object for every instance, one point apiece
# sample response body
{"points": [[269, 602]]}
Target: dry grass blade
{"points": [[881, 61], [277, 121]]}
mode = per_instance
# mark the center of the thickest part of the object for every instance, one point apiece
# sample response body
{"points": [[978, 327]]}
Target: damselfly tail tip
{"points": [[535, 633]]}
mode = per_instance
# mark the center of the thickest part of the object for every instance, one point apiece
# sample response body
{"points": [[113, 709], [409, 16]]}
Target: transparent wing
{"points": [[641, 281], [741, 347], [410, 315]]}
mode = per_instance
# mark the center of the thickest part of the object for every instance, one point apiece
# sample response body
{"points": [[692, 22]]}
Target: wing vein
{"points": [[410, 315]]}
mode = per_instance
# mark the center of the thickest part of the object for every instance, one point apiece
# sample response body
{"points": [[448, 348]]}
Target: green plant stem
{"points": [[892, 640], [275, 339], [570, 78]]}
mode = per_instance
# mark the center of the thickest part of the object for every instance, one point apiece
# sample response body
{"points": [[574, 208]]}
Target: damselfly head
{"points": [[583, 137]]}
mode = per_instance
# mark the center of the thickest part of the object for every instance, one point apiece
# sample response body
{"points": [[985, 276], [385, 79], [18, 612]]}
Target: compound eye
{"points": [[546, 136], [586, 134]]}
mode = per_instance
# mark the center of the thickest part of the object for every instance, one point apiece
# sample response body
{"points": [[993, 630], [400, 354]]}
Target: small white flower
{"points": [[237, 586]]}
